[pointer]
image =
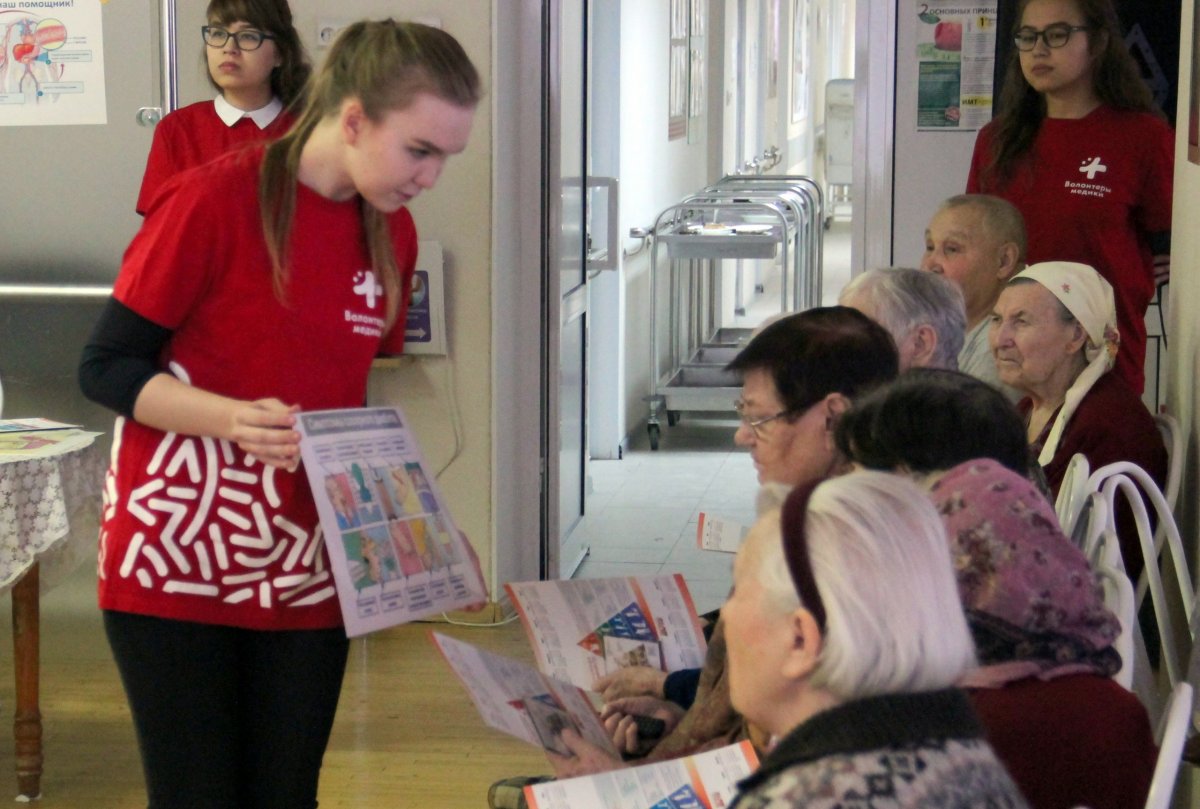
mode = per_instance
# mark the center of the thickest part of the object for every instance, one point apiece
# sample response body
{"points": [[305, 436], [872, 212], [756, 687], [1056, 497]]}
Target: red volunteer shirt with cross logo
{"points": [[1092, 191], [194, 529]]}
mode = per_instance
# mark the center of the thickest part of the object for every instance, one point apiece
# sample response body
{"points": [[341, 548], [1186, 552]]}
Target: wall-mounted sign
{"points": [[51, 63]]}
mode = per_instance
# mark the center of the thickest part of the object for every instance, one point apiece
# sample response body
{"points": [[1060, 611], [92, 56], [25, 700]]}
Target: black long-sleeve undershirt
{"points": [[120, 357]]}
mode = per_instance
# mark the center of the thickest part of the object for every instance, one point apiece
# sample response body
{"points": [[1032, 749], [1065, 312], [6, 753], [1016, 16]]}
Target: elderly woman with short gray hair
{"points": [[846, 636]]}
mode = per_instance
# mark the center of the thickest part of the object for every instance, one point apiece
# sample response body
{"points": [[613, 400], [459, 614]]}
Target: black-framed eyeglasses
{"points": [[216, 37], [754, 424], [1055, 36]]}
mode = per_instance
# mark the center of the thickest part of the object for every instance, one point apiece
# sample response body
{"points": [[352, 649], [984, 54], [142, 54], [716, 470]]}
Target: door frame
{"points": [[519, 303]]}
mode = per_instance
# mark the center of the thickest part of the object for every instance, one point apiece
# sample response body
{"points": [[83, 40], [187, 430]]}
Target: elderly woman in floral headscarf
{"points": [[1054, 337], [1069, 735]]}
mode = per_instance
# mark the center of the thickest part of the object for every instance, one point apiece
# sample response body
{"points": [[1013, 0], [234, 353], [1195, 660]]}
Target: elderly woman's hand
{"points": [[585, 759], [619, 721], [631, 681]]}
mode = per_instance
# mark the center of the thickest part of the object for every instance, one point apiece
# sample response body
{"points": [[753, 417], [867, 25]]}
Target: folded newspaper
{"points": [[521, 701], [395, 554], [703, 781], [582, 629]]}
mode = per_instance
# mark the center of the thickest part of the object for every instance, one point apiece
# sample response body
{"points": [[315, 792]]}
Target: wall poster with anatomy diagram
{"points": [[395, 554], [51, 63]]}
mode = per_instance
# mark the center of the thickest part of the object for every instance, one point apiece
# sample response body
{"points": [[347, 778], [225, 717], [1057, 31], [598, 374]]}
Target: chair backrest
{"points": [[1072, 493], [1172, 734], [1172, 435], [1118, 483], [1118, 597]]}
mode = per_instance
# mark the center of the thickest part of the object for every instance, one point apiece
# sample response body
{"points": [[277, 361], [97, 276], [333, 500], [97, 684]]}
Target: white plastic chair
{"points": [[1118, 597], [1172, 435], [1072, 493], [1171, 736], [1122, 480]]}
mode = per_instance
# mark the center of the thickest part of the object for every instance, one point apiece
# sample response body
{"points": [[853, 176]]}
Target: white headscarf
{"points": [[1090, 299]]}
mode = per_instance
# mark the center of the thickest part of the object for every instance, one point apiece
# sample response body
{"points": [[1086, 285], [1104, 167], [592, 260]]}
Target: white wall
{"points": [[654, 172], [1183, 328]]}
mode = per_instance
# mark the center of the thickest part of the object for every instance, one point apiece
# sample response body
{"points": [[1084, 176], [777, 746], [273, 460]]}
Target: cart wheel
{"points": [[828, 221], [653, 431], [672, 418]]}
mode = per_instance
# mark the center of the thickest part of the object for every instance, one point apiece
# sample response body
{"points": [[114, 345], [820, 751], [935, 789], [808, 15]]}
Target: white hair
{"points": [[881, 561], [903, 298]]}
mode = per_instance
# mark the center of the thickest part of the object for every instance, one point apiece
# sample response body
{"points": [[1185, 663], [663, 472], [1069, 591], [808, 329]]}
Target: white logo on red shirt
{"points": [[1091, 167], [366, 285]]}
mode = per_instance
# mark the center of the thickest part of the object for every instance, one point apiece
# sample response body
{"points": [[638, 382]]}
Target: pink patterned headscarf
{"points": [[1033, 604]]}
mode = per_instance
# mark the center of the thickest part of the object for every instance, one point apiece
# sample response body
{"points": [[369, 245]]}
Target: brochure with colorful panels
{"points": [[703, 781], [521, 701], [395, 553], [582, 629]]}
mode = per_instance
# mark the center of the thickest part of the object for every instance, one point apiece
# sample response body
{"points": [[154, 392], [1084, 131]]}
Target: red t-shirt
{"points": [[1079, 740], [193, 135], [192, 528], [1092, 191]]}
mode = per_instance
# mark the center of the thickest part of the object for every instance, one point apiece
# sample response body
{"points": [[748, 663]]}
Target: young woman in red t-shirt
{"points": [[1080, 149], [261, 283], [258, 67]]}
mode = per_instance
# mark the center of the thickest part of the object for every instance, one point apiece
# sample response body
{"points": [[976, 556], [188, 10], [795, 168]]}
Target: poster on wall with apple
{"points": [[956, 45]]}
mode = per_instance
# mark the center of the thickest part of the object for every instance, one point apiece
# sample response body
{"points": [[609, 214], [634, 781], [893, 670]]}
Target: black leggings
{"points": [[228, 717]]}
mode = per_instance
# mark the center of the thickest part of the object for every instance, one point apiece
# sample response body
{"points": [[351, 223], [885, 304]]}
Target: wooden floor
{"points": [[405, 735]]}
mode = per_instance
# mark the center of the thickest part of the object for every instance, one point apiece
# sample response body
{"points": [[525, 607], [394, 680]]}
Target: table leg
{"points": [[27, 719]]}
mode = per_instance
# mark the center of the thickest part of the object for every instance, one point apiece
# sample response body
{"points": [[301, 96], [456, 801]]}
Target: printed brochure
{"points": [[395, 553], [582, 629], [521, 701]]}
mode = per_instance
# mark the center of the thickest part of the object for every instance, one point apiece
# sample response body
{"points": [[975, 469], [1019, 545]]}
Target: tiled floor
{"points": [[643, 510]]}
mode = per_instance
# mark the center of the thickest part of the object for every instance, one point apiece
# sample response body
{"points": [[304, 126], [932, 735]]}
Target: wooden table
{"points": [[48, 511]]}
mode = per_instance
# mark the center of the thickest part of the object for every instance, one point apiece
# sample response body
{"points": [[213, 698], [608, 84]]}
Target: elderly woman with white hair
{"points": [[1054, 336], [846, 637]]}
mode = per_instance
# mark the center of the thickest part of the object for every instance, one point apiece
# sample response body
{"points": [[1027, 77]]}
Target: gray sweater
{"points": [[891, 752]]}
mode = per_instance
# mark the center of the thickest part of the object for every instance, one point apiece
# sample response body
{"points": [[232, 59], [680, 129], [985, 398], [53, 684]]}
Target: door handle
{"points": [[606, 257]]}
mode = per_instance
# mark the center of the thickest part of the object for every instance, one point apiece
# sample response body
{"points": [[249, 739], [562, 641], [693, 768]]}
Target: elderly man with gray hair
{"points": [[978, 242], [923, 312]]}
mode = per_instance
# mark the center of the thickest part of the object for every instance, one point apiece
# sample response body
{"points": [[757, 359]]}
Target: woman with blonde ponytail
{"points": [[263, 284]]}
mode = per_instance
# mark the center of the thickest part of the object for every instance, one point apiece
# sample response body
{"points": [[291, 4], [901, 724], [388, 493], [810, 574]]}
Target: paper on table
{"points": [[23, 446], [394, 552], [32, 425], [582, 629], [704, 781], [521, 701]]}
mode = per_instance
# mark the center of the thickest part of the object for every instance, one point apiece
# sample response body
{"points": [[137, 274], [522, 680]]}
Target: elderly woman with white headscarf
{"points": [[1054, 337], [845, 640]]}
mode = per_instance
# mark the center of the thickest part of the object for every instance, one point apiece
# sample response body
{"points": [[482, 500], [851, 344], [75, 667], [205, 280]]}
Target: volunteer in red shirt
{"points": [[260, 284], [1080, 149], [258, 67]]}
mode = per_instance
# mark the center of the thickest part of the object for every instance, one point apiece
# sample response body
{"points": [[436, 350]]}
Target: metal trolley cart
{"points": [[737, 219]]}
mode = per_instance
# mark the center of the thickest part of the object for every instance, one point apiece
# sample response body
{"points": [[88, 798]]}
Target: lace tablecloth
{"points": [[49, 513]]}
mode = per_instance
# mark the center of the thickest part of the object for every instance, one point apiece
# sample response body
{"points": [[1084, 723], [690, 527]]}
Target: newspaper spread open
{"points": [[703, 781], [521, 701], [582, 629], [395, 553]]}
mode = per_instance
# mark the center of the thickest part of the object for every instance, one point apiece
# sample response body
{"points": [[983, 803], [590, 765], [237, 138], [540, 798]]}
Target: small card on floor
{"points": [[719, 534]]}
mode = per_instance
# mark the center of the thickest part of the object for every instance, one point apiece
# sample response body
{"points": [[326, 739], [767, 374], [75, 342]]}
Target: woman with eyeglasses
{"points": [[260, 284], [1079, 147], [259, 69]]}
